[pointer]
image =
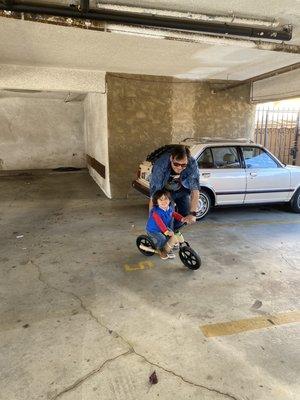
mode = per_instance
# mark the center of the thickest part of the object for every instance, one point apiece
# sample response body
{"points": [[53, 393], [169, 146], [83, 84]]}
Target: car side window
{"points": [[225, 157], [255, 157], [205, 160]]}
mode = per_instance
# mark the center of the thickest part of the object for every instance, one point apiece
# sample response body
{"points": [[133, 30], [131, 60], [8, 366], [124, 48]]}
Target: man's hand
{"points": [[169, 233], [194, 200], [150, 204], [189, 219]]}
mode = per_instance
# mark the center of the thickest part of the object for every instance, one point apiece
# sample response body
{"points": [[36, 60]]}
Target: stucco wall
{"points": [[223, 113], [95, 130], [139, 120], [37, 133], [200, 109], [145, 112]]}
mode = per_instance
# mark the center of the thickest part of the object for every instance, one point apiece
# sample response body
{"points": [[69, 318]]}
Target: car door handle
{"points": [[253, 173], [205, 174]]}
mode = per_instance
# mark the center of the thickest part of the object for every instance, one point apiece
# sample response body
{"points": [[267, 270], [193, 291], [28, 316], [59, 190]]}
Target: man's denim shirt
{"points": [[161, 172]]}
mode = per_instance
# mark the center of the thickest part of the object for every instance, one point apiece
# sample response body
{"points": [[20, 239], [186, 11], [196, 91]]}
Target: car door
{"points": [[267, 179], [221, 170]]}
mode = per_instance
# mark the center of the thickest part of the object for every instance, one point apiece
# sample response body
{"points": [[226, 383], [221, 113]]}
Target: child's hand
{"points": [[169, 233]]}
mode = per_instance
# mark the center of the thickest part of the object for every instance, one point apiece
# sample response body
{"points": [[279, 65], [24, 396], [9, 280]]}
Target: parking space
{"points": [[87, 316]]}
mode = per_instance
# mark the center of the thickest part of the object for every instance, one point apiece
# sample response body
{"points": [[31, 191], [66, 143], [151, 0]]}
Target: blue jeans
{"points": [[182, 200], [159, 239]]}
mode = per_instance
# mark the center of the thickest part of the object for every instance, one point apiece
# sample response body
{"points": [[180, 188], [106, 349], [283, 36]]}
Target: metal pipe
{"points": [[153, 21], [266, 129], [297, 135], [229, 19], [266, 75]]}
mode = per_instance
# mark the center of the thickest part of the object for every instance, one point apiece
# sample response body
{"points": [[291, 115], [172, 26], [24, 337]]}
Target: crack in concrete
{"points": [[118, 335], [287, 261], [82, 305], [186, 380], [80, 381]]}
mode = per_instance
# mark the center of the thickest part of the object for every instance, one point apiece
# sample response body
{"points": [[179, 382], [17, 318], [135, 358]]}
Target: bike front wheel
{"points": [[189, 257]]}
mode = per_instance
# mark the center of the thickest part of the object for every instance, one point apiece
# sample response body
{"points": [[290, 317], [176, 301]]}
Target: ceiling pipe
{"points": [[152, 21], [230, 18]]}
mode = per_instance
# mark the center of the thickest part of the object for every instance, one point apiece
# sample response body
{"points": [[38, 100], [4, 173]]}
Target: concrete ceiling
{"points": [[32, 43]]}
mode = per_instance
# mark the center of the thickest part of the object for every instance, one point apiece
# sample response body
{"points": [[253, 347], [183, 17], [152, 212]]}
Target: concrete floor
{"points": [[80, 320]]}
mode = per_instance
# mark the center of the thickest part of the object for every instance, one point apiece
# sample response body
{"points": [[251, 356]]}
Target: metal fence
{"points": [[278, 130]]}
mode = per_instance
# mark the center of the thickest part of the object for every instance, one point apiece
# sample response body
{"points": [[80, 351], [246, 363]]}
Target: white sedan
{"points": [[234, 172]]}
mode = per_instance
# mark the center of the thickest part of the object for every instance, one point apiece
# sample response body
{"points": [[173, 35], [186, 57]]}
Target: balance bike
{"points": [[188, 256]]}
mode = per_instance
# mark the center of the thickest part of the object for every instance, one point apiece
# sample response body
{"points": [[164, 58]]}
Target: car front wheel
{"points": [[204, 205], [295, 202]]}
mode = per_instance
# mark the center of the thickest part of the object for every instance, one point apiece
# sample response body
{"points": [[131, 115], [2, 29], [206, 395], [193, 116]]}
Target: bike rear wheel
{"points": [[146, 241]]}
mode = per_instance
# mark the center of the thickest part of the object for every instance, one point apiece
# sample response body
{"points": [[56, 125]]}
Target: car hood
{"points": [[293, 168]]}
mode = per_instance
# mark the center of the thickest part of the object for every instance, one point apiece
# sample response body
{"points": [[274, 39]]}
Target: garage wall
{"points": [[146, 112], [39, 133], [224, 113], [200, 109], [96, 140]]}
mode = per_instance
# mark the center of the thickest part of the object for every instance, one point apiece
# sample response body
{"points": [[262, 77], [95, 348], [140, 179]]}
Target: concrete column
{"points": [[96, 139], [139, 121], [183, 103]]}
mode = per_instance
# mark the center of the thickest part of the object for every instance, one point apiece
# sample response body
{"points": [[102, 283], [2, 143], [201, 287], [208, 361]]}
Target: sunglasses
{"points": [[177, 164]]}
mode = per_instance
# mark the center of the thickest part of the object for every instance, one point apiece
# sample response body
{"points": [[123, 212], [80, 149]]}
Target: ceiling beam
{"points": [[260, 77]]}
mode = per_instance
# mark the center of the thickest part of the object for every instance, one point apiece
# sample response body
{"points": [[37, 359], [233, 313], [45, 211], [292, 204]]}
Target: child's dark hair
{"points": [[180, 151], [160, 193]]}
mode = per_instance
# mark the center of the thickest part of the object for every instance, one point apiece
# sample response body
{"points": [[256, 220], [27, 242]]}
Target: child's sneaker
{"points": [[171, 254], [163, 254]]}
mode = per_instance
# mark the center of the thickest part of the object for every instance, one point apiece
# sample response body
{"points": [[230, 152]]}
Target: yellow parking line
{"points": [[139, 266], [250, 324]]}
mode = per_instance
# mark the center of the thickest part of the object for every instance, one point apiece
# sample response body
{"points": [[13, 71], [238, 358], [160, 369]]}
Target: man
{"points": [[178, 173]]}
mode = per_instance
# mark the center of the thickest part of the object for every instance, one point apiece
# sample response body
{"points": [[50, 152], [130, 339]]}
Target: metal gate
{"points": [[278, 130]]}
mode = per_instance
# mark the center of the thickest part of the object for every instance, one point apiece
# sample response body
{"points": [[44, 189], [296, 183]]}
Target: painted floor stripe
{"points": [[250, 324], [139, 266]]}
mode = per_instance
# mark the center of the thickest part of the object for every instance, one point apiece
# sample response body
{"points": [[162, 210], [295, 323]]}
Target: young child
{"points": [[160, 223]]}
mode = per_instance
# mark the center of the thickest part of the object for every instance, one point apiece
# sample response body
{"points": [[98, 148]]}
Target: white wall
{"points": [[96, 136], [48, 133], [38, 133]]}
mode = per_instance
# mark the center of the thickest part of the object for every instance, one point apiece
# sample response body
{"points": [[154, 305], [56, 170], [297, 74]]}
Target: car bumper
{"points": [[141, 188]]}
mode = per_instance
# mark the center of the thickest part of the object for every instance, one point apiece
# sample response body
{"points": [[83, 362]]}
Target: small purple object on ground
{"points": [[153, 378]]}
